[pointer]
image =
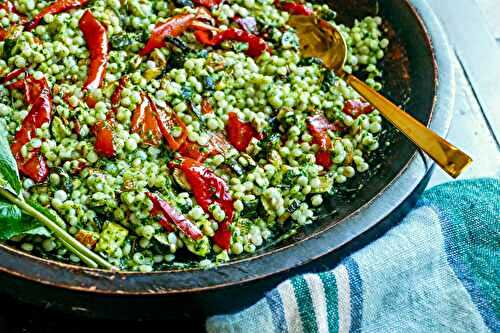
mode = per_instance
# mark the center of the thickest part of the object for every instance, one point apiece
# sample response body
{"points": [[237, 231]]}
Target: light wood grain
{"points": [[469, 132], [491, 12]]}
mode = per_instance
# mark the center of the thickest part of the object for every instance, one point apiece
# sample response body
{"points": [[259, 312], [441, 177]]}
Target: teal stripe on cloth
{"points": [[330, 286], [436, 271], [305, 303], [475, 203], [355, 284]]}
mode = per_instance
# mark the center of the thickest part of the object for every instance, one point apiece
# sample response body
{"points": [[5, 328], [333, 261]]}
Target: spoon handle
{"points": [[447, 156]]}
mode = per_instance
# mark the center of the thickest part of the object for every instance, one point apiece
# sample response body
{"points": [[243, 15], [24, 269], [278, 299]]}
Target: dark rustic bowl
{"points": [[417, 73]]}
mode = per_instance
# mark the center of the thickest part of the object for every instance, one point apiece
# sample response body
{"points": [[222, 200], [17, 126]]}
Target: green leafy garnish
{"points": [[18, 216]]}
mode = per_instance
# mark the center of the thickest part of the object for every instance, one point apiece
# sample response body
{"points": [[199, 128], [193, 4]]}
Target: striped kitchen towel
{"points": [[437, 271]]}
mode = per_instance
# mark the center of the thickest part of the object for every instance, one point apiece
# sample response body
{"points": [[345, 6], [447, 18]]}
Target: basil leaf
{"points": [[8, 166], [14, 223]]}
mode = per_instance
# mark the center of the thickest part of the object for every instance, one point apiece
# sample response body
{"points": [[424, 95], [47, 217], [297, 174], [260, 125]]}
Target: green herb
{"points": [[251, 210], [176, 60], [8, 47], [183, 3], [123, 40], [196, 109], [309, 61], [294, 205], [18, 216], [270, 142], [328, 15], [67, 182], [328, 81], [14, 223], [179, 43], [208, 83], [186, 93], [289, 40], [8, 167]]}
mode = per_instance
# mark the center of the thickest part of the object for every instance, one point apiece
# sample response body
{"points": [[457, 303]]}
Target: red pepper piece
{"points": [[355, 108], [38, 95], [12, 75], [95, 35], [256, 45], [167, 119], [174, 27], [3, 34], [240, 133], [205, 37], [35, 168], [56, 7], [166, 224], [197, 152], [144, 122], [117, 94], [249, 24], [208, 3], [294, 8], [206, 107], [318, 126], [104, 138], [209, 189], [90, 101], [171, 215]]}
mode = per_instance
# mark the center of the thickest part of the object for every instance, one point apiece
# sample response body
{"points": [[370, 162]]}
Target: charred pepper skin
{"points": [[95, 35], [54, 8]]}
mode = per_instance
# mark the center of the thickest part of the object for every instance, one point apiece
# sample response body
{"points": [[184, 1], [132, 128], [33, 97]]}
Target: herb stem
{"points": [[85, 254]]}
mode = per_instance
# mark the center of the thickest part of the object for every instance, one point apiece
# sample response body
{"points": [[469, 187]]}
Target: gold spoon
{"points": [[320, 39]]}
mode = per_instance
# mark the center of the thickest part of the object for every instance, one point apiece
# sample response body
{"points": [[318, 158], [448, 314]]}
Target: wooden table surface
{"points": [[474, 128]]}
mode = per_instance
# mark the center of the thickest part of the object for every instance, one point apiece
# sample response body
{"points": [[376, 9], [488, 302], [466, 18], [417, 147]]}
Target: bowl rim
{"points": [[54, 272]]}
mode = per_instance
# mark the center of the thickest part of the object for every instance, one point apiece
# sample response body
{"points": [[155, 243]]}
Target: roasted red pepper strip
{"points": [[318, 126], [3, 35], [56, 7], [167, 119], [36, 167], [12, 75], [208, 3], [239, 133], [256, 45], [144, 122], [38, 95], [197, 152], [95, 35], [16, 85], [294, 8], [193, 150], [174, 27], [210, 189], [172, 215], [355, 108], [104, 138], [166, 224], [117, 94]]}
